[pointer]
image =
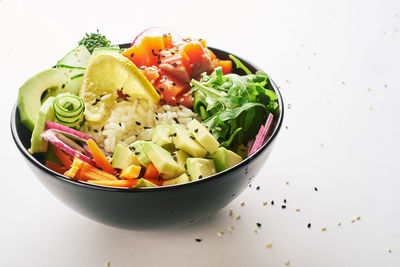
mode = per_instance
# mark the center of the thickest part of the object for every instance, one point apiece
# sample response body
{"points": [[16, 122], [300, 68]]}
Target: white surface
{"points": [[342, 138]]}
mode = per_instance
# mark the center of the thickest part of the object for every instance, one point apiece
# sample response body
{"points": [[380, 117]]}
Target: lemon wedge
{"points": [[105, 74]]}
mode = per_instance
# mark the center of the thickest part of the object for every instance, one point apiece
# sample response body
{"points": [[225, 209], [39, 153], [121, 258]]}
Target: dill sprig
{"points": [[93, 40]]}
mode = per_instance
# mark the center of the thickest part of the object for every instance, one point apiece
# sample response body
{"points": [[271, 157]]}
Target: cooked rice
{"points": [[134, 120]]}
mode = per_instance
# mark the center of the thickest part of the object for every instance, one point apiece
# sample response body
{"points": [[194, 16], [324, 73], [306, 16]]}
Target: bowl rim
{"points": [[64, 178]]}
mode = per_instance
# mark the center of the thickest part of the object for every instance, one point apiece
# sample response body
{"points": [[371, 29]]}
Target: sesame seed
{"points": [[176, 120], [137, 153], [198, 239], [287, 182], [200, 176], [196, 130], [238, 217], [339, 224], [193, 137], [353, 221], [283, 206], [173, 98], [255, 230], [230, 212], [258, 224], [146, 127], [309, 225], [389, 250], [182, 99], [95, 130], [258, 188], [138, 123], [265, 203], [286, 262], [358, 218], [323, 229], [316, 189], [284, 201], [132, 54], [272, 202], [220, 234], [242, 204], [268, 245], [176, 159], [63, 86], [120, 125], [230, 228], [297, 209]]}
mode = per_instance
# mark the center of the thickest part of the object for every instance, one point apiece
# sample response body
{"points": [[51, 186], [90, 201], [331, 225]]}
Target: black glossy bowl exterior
{"points": [[150, 208]]}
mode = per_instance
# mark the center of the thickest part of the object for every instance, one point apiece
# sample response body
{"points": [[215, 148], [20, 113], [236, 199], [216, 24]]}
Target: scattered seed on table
{"points": [[258, 188], [242, 204], [284, 201], [287, 182], [358, 218], [268, 245], [297, 209], [230, 212], [389, 250], [272, 202], [198, 239], [107, 264], [368, 89], [265, 203], [316, 189], [353, 221], [230, 229], [255, 230], [339, 224], [283, 206], [220, 234], [286, 262], [323, 229], [258, 224], [322, 145], [238, 217], [309, 225]]}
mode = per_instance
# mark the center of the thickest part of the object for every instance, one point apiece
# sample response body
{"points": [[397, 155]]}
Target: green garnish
{"points": [[234, 107], [94, 40]]}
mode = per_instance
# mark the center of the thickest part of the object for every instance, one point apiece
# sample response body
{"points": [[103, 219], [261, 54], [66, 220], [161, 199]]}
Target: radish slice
{"points": [[87, 150], [156, 31], [249, 146], [72, 133], [261, 135], [70, 143], [51, 136], [268, 127]]}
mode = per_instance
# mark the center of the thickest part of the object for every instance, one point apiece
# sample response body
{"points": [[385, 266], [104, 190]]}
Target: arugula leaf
{"points": [[239, 64]]}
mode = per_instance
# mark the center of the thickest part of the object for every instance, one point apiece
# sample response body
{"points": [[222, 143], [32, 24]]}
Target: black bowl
{"points": [[150, 208]]}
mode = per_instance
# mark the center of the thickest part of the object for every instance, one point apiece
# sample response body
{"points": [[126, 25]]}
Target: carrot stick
{"points": [[130, 172], [55, 167], [71, 172], [151, 172], [157, 181], [65, 160], [88, 172], [99, 158], [116, 183]]}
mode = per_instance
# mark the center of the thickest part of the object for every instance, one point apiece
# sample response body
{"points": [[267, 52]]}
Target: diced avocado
{"points": [[162, 160], [184, 178], [180, 157], [144, 183], [203, 136], [224, 159], [161, 136], [199, 168], [123, 157], [137, 148], [46, 113], [184, 140], [30, 93]]}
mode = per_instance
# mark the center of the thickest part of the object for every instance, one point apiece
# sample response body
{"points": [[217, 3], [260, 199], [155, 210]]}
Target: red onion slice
{"points": [[72, 133], [156, 31], [51, 136]]}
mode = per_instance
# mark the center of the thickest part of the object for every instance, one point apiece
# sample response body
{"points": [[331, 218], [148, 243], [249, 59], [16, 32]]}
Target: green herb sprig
{"points": [[93, 40]]}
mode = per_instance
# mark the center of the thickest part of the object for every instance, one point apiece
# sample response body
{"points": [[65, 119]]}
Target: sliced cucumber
{"points": [[79, 57], [106, 50]]}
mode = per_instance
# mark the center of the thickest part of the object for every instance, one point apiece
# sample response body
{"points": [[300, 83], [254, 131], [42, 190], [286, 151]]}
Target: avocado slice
{"points": [[46, 113], [183, 178], [30, 93], [224, 159], [203, 136], [137, 148], [199, 168], [144, 183], [122, 157], [180, 157], [161, 136], [185, 141], [162, 160]]}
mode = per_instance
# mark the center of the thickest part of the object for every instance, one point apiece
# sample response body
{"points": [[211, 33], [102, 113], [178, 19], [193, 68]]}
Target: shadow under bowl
{"points": [[151, 208]]}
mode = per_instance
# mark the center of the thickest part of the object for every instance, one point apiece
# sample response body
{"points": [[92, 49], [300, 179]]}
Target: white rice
{"points": [[129, 121]]}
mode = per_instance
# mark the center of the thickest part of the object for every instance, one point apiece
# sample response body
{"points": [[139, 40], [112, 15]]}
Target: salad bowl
{"points": [[158, 207]]}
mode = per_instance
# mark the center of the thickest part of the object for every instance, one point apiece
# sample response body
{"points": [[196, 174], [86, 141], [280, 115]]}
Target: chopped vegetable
{"points": [[99, 158], [55, 167], [65, 160], [130, 172], [94, 40], [88, 172], [151, 172], [68, 109], [115, 183]]}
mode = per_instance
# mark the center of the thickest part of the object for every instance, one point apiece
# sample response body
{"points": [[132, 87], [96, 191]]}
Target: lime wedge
{"points": [[105, 74]]}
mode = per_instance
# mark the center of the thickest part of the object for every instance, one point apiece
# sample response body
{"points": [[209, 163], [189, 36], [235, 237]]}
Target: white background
{"points": [[337, 64]]}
